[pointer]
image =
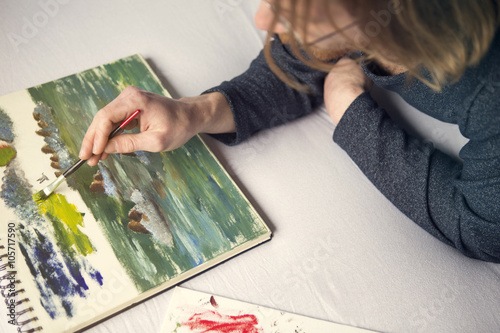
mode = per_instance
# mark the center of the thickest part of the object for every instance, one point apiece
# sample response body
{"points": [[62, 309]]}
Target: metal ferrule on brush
{"points": [[49, 189]]}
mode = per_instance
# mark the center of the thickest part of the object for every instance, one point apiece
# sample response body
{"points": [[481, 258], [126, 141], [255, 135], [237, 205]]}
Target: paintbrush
{"points": [[44, 194]]}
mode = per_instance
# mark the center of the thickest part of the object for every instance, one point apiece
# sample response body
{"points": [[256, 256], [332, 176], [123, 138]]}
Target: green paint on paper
{"points": [[66, 220], [51, 252], [7, 153], [183, 195]]}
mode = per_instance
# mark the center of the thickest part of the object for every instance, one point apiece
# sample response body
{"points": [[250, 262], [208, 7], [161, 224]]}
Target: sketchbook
{"points": [[114, 234], [196, 312]]}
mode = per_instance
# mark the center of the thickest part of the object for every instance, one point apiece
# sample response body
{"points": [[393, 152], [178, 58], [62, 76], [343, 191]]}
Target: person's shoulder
{"points": [[491, 66], [483, 113], [491, 60]]}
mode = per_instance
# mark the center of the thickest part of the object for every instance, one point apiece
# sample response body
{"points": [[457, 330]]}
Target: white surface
{"points": [[340, 251]]}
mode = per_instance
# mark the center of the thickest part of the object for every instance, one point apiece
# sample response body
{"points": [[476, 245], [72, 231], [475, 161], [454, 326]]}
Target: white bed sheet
{"points": [[340, 251]]}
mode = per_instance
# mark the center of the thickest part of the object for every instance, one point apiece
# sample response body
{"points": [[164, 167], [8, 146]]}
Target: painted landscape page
{"points": [[117, 232], [192, 311]]}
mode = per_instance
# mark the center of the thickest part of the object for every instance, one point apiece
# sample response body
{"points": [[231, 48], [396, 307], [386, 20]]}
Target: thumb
{"points": [[126, 143]]}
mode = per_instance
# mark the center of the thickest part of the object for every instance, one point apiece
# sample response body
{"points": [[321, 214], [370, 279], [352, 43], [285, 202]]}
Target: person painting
{"points": [[441, 56]]}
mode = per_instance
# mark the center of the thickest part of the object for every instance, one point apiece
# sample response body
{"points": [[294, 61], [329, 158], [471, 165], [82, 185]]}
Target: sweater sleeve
{"points": [[458, 202], [260, 100]]}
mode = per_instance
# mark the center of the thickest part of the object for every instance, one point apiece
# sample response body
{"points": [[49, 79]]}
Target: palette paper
{"points": [[116, 233], [196, 312]]}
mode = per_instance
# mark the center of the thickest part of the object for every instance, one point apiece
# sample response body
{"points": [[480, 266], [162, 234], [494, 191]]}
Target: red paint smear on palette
{"points": [[211, 321]]}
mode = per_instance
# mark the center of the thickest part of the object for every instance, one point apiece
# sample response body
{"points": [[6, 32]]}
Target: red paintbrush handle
{"points": [[124, 123]]}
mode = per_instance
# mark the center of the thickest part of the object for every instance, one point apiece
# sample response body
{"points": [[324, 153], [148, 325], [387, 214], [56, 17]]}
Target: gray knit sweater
{"points": [[458, 202]]}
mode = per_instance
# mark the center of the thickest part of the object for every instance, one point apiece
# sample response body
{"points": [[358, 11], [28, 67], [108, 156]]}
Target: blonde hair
{"points": [[440, 37]]}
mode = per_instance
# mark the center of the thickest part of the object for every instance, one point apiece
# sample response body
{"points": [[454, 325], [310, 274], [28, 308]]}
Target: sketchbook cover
{"points": [[115, 233]]}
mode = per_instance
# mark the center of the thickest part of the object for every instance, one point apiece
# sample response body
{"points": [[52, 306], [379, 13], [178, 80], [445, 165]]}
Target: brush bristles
{"points": [[39, 196], [44, 194]]}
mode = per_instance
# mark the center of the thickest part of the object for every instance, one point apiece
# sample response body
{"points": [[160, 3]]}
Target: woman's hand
{"points": [[345, 82], [164, 123]]}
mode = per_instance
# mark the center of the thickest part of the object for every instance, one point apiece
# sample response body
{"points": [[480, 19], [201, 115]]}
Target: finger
{"points": [[347, 64], [115, 112], [97, 135], [103, 123], [128, 143], [344, 60], [102, 130], [87, 145], [93, 160], [125, 143]]}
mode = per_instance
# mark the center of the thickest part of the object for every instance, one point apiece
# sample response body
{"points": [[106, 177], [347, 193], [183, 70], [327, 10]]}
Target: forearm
{"points": [[258, 99], [422, 182], [214, 112]]}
